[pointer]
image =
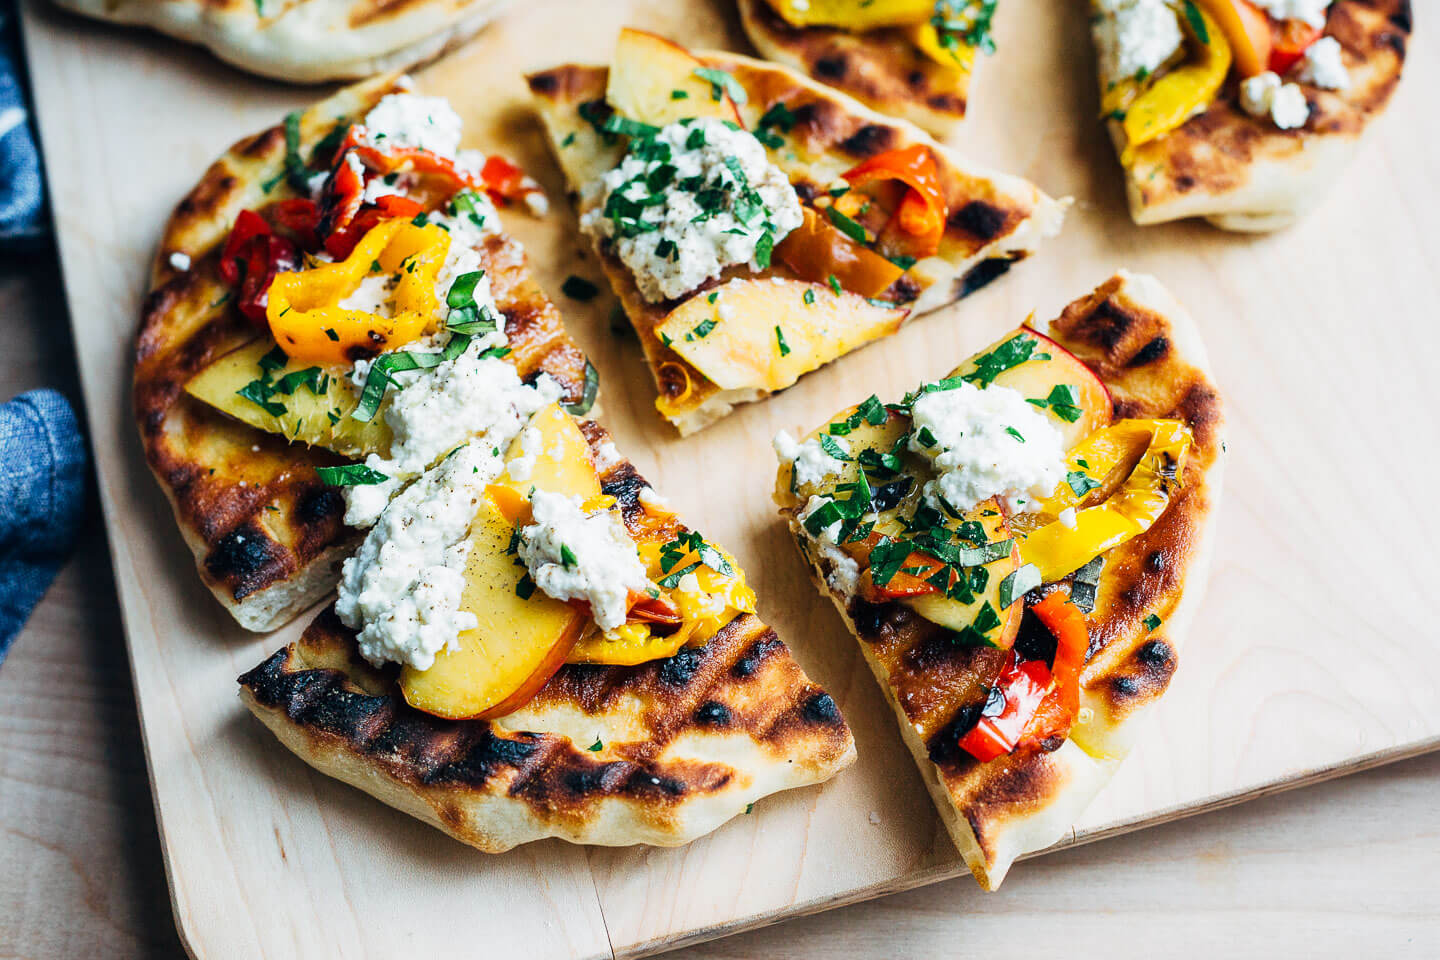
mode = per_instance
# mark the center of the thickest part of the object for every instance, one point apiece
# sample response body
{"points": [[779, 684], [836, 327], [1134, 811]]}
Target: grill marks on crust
{"points": [[879, 67], [743, 682], [1213, 153], [248, 502]]}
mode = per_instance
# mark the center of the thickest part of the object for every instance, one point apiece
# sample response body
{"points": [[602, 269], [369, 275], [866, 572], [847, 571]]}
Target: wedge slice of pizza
{"points": [[757, 225], [334, 307], [1242, 111], [905, 58], [531, 644], [1019, 547]]}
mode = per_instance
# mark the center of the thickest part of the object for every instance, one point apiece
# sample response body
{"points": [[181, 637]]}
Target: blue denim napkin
{"points": [[22, 194], [42, 499]]}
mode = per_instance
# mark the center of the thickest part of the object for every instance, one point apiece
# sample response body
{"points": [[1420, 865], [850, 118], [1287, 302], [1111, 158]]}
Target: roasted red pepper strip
{"points": [[1022, 688], [919, 222], [302, 218], [342, 241], [250, 259], [1291, 39], [1072, 641]]}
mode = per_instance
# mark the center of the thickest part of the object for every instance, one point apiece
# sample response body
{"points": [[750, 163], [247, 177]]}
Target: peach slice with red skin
{"points": [[654, 81]]}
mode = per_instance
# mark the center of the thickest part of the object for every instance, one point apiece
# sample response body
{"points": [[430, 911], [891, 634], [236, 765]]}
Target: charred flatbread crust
{"points": [[1244, 173], [686, 743], [308, 41], [880, 68], [1143, 346], [267, 534], [995, 218]]}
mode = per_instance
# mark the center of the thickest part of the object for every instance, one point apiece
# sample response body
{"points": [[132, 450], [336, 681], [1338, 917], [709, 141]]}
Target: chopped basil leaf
{"points": [[1018, 583], [350, 475], [587, 396], [1085, 585], [569, 139], [1197, 22], [627, 127], [832, 446], [596, 747], [722, 83], [1015, 433], [525, 587], [679, 95], [780, 339], [834, 284], [847, 226], [1151, 622], [567, 556], [902, 261], [764, 247]]}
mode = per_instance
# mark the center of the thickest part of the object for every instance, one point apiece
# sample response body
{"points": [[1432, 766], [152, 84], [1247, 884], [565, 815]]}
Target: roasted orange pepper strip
{"points": [[921, 216], [817, 251]]}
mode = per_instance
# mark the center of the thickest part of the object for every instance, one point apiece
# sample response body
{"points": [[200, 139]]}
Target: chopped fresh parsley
{"points": [[569, 139], [1197, 22], [627, 127], [964, 22], [1152, 622], [567, 557], [780, 339], [1015, 433], [809, 297], [701, 331], [679, 95], [834, 282], [778, 117], [1081, 482], [1011, 353], [596, 747], [525, 587], [1063, 401]]}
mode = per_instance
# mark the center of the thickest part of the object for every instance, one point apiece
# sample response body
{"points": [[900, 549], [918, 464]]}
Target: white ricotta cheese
{"points": [[1311, 11], [180, 261], [988, 442], [813, 464], [695, 198], [574, 555], [652, 501], [1324, 66], [844, 573], [1285, 102], [412, 120], [470, 217], [1135, 37], [402, 590]]}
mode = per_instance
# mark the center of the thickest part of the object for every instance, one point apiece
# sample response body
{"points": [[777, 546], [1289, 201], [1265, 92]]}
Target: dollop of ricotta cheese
{"points": [[844, 572], [574, 555], [685, 203], [470, 398], [988, 442], [1324, 67], [412, 120], [1265, 93], [1311, 11], [402, 589], [1135, 37], [812, 462]]}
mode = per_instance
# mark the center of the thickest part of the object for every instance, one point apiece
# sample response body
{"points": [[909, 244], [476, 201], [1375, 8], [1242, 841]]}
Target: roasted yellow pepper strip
{"points": [[1181, 93], [720, 599], [1057, 549], [857, 15], [309, 324], [927, 39]]}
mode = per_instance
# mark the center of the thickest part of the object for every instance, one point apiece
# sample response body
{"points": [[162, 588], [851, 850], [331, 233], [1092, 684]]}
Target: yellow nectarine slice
{"points": [[766, 333], [654, 81]]}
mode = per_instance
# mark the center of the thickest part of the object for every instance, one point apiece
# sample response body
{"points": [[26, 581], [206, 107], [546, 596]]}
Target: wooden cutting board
{"points": [[1312, 656]]}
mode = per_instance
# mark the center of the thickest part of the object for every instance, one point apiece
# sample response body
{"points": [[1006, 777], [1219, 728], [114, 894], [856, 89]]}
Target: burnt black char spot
{"points": [[981, 275], [821, 708], [869, 140], [677, 670], [319, 505], [240, 554], [755, 656], [544, 83], [1154, 653], [712, 714], [1152, 351], [944, 746], [1034, 641], [979, 219], [830, 68]]}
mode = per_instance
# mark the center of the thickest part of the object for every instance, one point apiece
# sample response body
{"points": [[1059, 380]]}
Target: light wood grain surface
{"points": [[1292, 673]]}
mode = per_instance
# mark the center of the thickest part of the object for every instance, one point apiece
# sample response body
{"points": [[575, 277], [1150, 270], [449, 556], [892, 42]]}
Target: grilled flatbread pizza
{"points": [[307, 41], [757, 225], [1242, 111], [1019, 548], [905, 58], [531, 644], [333, 308]]}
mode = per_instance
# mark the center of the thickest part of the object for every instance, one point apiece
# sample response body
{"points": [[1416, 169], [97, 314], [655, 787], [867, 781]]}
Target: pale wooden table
{"points": [[1347, 868]]}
